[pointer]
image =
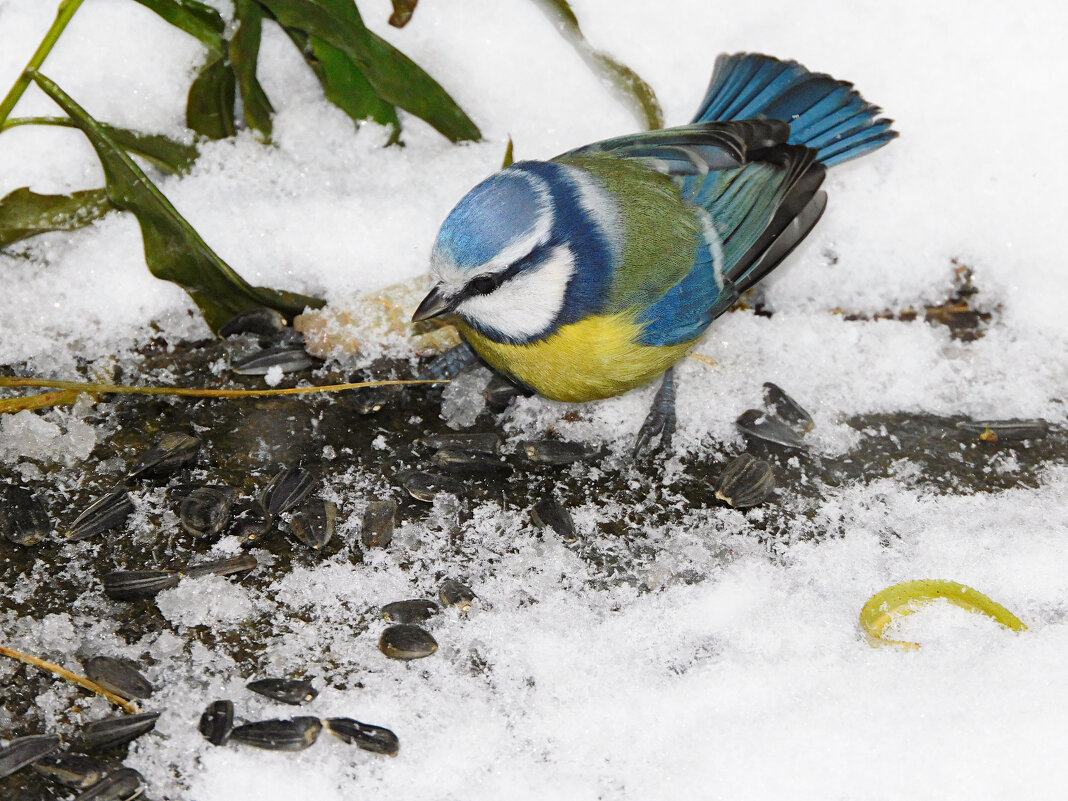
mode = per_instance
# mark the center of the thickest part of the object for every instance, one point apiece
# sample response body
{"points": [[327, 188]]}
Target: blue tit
{"points": [[593, 273]]}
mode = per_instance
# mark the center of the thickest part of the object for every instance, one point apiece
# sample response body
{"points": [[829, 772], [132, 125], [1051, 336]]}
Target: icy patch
{"points": [[207, 601], [462, 400], [54, 436]]}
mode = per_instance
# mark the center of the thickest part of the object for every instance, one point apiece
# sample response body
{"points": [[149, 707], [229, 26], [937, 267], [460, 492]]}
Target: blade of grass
{"points": [[92, 686], [402, 12], [244, 55], [24, 213], [209, 109], [195, 18], [174, 251], [509, 154]]}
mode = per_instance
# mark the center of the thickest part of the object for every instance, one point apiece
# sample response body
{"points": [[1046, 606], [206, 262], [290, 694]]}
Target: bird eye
{"points": [[483, 285]]}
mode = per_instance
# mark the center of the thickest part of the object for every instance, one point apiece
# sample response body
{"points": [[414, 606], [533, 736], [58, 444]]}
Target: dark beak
{"points": [[433, 304]]}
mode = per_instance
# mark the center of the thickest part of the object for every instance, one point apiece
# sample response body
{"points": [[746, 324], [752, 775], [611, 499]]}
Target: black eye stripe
{"points": [[489, 282]]}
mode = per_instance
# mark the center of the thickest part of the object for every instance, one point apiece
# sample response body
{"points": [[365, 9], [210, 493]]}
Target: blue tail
{"points": [[824, 114]]}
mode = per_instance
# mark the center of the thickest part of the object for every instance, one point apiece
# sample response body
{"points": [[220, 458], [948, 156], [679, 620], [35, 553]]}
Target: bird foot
{"points": [[451, 363], [660, 422]]}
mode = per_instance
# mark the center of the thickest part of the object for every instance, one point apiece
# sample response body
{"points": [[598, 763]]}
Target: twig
{"points": [[128, 706]]}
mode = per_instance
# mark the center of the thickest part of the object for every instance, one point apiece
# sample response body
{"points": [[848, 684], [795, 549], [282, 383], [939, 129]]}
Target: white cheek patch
{"points": [[528, 303]]}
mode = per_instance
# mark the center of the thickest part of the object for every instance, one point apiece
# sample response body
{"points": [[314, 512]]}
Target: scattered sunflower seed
{"points": [[121, 676], [414, 611], [550, 513], [426, 486], [287, 490], [375, 739], [786, 408], [135, 585], [206, 510], [500, 392], [103, 735], [468, 463], [261, 320], [768, 428], [250, 526], [171, 452], [455, 593], [379, 520], [217, 722], [369, 400], [290, 359], [23, 517], [997, 430], [288, 691], [406, 642], [279, 735], [314, 523], [106, 513], [223, 567], [745, 482], [556, 452], [76, 771], [479, 442], [23, 751], [124, 784]]}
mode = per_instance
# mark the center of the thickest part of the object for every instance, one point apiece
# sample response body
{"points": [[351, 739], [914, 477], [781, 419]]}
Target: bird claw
{"points": [[451, 363], [661, 419]]}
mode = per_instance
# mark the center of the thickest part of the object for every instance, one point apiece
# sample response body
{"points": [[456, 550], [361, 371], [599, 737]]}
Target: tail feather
{"points": [[824, 114]]}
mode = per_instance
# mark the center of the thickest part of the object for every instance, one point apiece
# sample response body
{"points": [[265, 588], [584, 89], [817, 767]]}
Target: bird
{"points": [[593, 273]]}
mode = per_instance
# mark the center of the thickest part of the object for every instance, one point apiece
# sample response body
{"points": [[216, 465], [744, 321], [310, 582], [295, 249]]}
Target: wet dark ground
{"points": [[245, 441]]}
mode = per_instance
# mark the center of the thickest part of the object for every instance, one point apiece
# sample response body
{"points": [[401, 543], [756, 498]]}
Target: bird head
{"points": [[506, 255]]}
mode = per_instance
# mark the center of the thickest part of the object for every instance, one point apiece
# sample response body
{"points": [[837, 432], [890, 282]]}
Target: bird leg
{"points": [[452, 362], [661, 418]]}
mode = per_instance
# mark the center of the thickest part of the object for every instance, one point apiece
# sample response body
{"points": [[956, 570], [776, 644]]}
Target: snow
{"points": [[750, 681]]}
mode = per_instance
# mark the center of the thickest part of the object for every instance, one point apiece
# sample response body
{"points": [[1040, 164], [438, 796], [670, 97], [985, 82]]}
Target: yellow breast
{"points": [[596, 358]]}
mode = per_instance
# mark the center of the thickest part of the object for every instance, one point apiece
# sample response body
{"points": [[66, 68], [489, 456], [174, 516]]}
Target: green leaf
{"points": [[402, 12], [209, 109], [509, 154], [195, 18], [244, 53], [174, 251], [632, 89], [395, 77], [24, 213]]}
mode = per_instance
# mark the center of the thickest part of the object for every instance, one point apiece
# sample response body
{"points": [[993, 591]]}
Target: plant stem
{"points": [[128, 706], [63, 16], [15, 122], [122, 389]]}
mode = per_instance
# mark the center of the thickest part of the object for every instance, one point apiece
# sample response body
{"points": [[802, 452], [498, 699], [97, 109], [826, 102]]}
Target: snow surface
{"points": [[752, 683]]}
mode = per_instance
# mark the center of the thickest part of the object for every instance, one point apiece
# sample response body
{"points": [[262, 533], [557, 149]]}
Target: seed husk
{"points": [[121, 676], [77, 771], [406, 642], [170, 453], [375, 739], [217, 722], [768, 428], [314, 523], [223, 567], [413, 611], [206, 510], [288, 489], [458, 594], [23, 751], [468, 463], [295, 734], [370, 400], [556, 452], [288, 691], [290, 359], [379, 521], [998, 430], [135, 585], [550, 513], [103, 514], [261, 321], [124, 784], [103, 735], [479, 442], [500, 392], [427, 486], [787, 409], [745, 482], [23, 516]]}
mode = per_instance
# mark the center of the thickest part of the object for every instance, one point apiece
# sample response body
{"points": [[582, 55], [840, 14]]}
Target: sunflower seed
{"points": [[787, 409], [106, 513], [555, 452], [414, 611], [550, 513], [171, 452], [462, 462], [76, 771], [997, 430], [124, 784], [455, 593], [288, 358], [279, 735], [314, 523], [406, 642], [478, 442], [260, 320], [427, 486], [379, 520], [250, 526], [118, 675], [287, 490], [370, 400], [206, 510], [135, 585], [768, 428], [500, 392], [217, 722], [745, 482], [23, 751], [288, 691], [223, 567], [23, 517], [103, 735], [375, 739]]}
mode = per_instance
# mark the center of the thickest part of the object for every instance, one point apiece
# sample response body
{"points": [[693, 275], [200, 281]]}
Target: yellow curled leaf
{"points": [[898, 600]]}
